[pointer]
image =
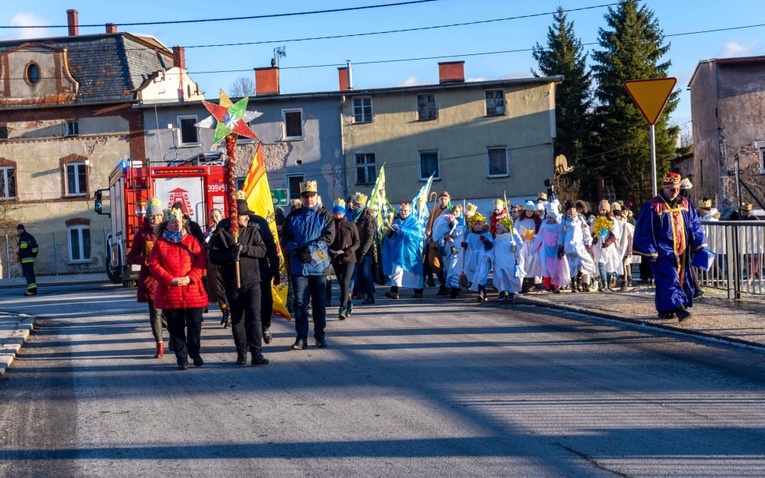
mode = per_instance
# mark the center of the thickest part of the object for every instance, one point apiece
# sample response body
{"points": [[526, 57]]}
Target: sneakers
{"points": [[198, 362], [241, 358], [682, 314], [502, 296], [183, 365], [267, 337], [341, 314], [321, 343], [30, 292], [258, 359]]}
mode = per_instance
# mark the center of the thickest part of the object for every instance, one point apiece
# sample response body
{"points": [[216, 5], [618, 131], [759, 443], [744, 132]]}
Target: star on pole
{"points": [[230, 118]]}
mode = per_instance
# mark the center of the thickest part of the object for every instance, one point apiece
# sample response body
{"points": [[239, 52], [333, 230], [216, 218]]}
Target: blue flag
{"points": [[420, 202]]}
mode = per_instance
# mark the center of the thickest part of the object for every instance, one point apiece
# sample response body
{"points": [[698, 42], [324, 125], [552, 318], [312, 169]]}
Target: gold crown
{"points": [[542, 196], [240, 195], [705, 204], [499, 204], [507, 222], [361, 198], [173, 213], [746, 207], [616, 207], [471, 209], [339, 202], [309, 187]]}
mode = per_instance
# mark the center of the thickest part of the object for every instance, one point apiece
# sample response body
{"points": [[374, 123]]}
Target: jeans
{"points": [[185, 345], [363, 272], [343, 272], [245, 318], [315, 288], [266, 301], [155, 316]]}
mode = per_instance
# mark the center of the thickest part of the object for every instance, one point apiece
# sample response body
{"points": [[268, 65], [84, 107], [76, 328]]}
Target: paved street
{"points": [[405, 389]]}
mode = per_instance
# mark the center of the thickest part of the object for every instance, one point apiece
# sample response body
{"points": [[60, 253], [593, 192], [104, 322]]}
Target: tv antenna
{"points": [[279, 52]]}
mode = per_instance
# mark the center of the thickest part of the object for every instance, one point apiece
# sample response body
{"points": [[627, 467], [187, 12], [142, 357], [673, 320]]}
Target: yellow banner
{"points": [[258, 195]]}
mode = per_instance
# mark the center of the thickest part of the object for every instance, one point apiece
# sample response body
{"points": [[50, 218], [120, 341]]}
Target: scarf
{"points": [[174, 237], [357, 214]]}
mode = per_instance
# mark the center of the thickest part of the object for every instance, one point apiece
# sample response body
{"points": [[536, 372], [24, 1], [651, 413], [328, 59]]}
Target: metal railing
{"points": [[738, 267]]}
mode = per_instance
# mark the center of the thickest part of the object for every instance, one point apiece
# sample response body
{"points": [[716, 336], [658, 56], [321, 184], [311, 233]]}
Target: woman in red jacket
{"points": [[178, 263], [143, 242]]}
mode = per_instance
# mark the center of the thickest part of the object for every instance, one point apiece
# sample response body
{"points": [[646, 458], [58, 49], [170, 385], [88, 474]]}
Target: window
{"points": [[293, 124], [429, 165], [76, 179], [365, 168], [79, 243], [33, 73], [426, 107], [293, 184], [495, 102], [362, 110], [762, 161], [188, 135], [72, 128], [499, 161], [3, 132], [7, 183], [240, 184]]}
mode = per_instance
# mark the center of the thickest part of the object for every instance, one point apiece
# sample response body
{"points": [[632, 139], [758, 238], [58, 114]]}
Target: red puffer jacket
{"points": [[168, 261]]}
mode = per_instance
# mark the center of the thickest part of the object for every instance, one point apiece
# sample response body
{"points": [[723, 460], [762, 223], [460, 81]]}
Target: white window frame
{"points": [[82, 190], [72, 128], [179, 122], [5, 194], [438, 163], [359, 110], [365, 166], [488, 162], [503, 106], [285, 112], [420, 117], [80, 243], [287, 181], [762, 160]]}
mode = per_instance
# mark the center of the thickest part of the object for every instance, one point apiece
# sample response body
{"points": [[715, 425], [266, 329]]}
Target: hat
{"points": [[240, 195], [445, 194], [705, 203], [296, 203], [553, 208], [338, 206], [499, 204], [604, 205], [529, 206], [672, 179], [20, 226], [479, 218], [308, 188], [616, 207], [360, 198], [746, 207], [242, 209], [581, 204], [507, 222], [569, 205], [154, 207], [173, 213], [540, 207], [542, 196], [471, 209]]}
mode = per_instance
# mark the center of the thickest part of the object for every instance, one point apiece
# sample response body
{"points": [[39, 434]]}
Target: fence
{"points": [[54, 256], [738, 267]]}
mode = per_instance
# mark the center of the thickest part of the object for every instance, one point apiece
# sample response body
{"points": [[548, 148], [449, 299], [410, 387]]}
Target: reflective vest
{"points": [[27, 248]]}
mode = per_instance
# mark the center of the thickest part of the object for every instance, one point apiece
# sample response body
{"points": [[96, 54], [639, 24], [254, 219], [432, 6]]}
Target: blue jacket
{"points": [[308, 229]]}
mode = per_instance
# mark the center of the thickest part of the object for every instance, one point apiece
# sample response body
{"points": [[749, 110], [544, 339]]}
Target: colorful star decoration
{"points": [[230, 118]]}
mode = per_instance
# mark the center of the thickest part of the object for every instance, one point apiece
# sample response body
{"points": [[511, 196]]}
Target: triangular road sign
{"points": [[650, 96]]}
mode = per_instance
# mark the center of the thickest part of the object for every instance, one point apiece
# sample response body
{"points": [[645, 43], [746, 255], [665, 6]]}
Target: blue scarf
{"points": [[174, 237], [356, 214]]}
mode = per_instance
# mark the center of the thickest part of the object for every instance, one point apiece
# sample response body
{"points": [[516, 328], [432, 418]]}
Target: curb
{"points": [[13, 343], [629, 320], [23, 285]]}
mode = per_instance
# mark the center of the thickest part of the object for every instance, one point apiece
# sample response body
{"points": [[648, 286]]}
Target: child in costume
{"points": [[498, 213], [606, 238], [479, 255], [508, 262], [528, 226], [553, 265], [575, 237]]}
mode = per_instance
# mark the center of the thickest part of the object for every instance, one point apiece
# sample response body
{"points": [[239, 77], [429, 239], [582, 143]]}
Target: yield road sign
{"points": [[650, 96]]}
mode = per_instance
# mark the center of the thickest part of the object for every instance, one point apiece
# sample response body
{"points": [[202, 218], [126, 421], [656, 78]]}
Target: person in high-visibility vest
{"points": [[27, 253]]}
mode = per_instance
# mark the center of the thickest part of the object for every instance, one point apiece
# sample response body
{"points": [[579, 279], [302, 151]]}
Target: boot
{"points": [[624, 287], [454, 292], [442, 290], [585, 283], [525, 286], [482, 294], [574, 285], [348, 310], [341, 314], [160, 350], [393, 294]]}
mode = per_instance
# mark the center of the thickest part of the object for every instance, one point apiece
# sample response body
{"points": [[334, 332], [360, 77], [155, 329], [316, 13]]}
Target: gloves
{"points": [[482, 238], [487, 244], [561, 253], [395, 228], [463, 244], [303, 254], [236, 251]]}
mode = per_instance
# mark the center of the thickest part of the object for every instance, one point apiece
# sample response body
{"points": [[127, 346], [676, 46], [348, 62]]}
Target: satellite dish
{"points": [[561, 165]]}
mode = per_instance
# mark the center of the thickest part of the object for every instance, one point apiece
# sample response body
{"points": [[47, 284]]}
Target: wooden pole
{"points": [[232, 209]]}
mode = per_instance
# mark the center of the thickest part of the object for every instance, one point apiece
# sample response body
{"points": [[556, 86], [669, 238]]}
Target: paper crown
{"points": [[339, 202], [705, 203], [529, 206], [471, 209], [309, 187], [173, 213], [616, 207], [478, 217], [506, 222], [297, 203], [671, 179], [153, 207], [746, 207], [499, 204], [360, 198], [542, 196], [240, 195]]}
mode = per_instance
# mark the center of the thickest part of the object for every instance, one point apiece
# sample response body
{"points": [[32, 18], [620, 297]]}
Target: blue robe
{"points": [[403, 249], [669, 235]]}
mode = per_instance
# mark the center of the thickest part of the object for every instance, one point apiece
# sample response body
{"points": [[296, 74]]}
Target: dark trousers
{"points": [[245, 318], [363, 272], [155, 317], [179, 321], [266, 301], [315, 288], [344, 272], [28, 268]]}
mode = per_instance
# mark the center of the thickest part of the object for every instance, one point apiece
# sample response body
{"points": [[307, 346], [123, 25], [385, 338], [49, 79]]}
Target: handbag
{"points": [[703, 259]]}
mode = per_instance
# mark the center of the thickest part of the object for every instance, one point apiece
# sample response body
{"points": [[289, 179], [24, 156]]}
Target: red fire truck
{"points": [[199, 184]]}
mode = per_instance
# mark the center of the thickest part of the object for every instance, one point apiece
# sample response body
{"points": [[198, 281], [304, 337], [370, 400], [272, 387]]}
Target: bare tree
{"points": [[243, 86]]}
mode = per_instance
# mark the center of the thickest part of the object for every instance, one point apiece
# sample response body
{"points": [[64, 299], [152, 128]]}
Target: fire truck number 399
{"points": [[216, 188]]}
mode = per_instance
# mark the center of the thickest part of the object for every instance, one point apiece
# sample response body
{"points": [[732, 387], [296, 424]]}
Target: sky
{"points": [[495, 46]]}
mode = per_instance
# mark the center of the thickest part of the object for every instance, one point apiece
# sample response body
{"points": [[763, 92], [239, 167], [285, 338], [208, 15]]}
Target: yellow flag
{"points": [[258, 195]]}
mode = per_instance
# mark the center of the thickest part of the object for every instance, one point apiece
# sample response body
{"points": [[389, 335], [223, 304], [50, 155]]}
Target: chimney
{"points": [[111, 28], [179, 57], [72, 22], [344, 77], [267, 81], [451, 72]]}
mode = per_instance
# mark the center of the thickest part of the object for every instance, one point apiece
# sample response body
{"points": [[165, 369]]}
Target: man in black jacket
{"points": [[27, 253], [269, 271], [365, 223], [244, 299]]}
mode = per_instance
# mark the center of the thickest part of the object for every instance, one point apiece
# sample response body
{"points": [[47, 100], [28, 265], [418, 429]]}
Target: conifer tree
{"points": [[632, 48], [564, 55]]}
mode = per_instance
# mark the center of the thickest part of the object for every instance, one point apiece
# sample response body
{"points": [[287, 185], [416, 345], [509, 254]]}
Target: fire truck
{"points": [[198, 184]]}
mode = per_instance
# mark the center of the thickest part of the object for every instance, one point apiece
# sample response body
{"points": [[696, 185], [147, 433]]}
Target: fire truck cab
{"points": [[199, 185]]}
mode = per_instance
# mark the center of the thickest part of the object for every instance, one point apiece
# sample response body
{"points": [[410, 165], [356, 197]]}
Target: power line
{"points": [[229, 19]]}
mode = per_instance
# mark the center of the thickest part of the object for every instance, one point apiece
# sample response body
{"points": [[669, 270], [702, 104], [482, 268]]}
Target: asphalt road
{"points": [[427, 388]]}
